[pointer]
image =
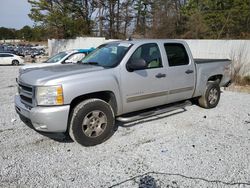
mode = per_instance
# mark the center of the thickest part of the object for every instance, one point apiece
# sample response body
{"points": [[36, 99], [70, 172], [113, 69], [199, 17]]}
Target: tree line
{"points": [[194, 19], [26, 33]]}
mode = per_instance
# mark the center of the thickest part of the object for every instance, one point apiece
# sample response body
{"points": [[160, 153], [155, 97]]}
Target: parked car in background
{"points": [[10, 59], [71, 56], [37, 52], [23, 49]]}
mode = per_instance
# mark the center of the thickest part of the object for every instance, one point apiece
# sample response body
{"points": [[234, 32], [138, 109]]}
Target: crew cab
{"points": [[121, 81]]}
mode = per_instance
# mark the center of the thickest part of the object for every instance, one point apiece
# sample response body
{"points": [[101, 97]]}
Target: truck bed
{"points": [[201, 61]]}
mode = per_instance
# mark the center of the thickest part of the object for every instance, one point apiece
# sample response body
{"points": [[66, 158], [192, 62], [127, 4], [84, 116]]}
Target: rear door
{"points": [[180, 73], [144, 88]]}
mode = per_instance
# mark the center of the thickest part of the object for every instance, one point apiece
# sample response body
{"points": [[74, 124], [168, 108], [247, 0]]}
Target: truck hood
{"points": [[36, 65], [40, 75]]}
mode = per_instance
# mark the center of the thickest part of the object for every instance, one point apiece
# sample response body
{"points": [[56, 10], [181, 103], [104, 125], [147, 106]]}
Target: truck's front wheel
{"points": [[211, 97], [92, 122]]}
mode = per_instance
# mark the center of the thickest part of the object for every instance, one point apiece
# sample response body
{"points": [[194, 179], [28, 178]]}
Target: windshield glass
{"points": [[107, 55], [56, 57]]}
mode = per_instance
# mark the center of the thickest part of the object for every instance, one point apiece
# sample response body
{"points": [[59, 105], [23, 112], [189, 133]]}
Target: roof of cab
{"points": [[143, 41]]}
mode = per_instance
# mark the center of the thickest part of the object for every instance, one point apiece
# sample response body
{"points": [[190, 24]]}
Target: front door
{"points": [[147, 87]]}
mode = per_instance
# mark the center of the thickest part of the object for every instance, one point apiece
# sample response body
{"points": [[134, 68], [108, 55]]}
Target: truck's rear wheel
{"points": [[211, 97], [92, 122]]}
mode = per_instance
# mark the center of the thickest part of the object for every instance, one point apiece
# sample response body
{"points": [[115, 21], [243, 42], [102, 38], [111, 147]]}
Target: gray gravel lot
{"points": [[192, 148]]}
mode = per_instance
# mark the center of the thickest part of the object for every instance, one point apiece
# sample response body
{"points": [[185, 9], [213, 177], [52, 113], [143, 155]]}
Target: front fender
{"points": [[74, 89]]}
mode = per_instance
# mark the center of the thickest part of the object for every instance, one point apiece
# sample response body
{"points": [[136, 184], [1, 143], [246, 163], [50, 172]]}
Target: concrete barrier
{"points": [[237, 50], [55, 46]]}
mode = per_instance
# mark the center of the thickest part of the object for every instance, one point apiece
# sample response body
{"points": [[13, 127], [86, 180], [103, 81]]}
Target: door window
{"points": [[6, 55], [56, 58], [76, 57], [150, 53], [177, 54]]}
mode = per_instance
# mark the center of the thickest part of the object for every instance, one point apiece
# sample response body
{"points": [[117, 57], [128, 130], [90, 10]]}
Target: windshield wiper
{"points": [[91, 63]]}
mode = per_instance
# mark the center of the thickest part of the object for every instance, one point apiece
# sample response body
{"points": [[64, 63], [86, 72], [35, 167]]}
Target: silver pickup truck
{"points": [[124, 81]]}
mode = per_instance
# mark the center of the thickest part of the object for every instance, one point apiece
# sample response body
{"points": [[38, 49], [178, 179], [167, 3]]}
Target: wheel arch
{"points": [[107, 96], [204, 100], [215, 78], [12, 62]]}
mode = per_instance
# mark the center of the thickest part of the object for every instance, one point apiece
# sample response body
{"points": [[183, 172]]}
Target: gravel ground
{"points": [[192, 148]]}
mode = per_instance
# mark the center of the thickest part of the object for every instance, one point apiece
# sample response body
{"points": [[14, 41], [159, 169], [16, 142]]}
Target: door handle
{"points": [[189, 71], [160, 75]]}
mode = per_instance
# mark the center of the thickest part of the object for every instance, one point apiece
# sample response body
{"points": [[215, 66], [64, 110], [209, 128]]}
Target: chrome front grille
{"points": [[26, 93]]}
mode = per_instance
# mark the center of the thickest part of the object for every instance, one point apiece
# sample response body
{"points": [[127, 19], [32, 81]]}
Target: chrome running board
{"points": [[152, 112]]}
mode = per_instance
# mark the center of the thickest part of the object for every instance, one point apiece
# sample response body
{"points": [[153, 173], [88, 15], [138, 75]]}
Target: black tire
{"points": [[87, 125], [211, 97], [15, 62]]}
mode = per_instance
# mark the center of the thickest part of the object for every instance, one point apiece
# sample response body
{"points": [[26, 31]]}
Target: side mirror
{"points": [[137, 64]]}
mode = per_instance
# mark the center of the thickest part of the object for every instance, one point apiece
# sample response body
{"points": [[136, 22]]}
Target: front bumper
{"points": [[46, 119]]}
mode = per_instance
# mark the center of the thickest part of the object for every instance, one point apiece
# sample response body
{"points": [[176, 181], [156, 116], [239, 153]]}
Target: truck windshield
{"points": [[107, 55], [56, 57]]}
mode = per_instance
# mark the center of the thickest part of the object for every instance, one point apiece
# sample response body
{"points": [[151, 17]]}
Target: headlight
{"points": [[49, 95]]}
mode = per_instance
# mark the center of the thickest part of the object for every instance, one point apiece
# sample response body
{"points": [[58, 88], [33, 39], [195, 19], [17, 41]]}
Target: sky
{"points": [[14, 13]]}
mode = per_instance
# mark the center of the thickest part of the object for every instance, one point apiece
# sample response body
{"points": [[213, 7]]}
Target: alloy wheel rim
{"points": [[213, 96], [94, 123]]}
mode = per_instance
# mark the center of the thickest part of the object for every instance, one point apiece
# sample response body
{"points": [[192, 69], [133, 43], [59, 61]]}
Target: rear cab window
{"points": [[176, 54]]}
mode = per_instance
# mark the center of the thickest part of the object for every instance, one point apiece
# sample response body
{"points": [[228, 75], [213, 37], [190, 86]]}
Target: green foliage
{"points": [[6, 33], [215, 19], [62, 18], [223, 19], [27, 33], [143, 10], [39, 34]]}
